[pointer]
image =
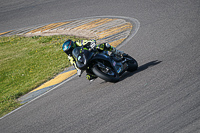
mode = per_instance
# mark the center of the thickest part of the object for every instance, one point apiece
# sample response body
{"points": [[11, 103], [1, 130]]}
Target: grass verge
{"points": [[26, 63]]}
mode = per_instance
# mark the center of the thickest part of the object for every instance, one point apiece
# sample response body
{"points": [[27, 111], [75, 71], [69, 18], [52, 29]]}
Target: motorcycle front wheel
{"points": [[132, 64], [110, 76]]}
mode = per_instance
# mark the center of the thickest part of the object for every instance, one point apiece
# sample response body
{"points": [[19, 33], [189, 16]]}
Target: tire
{"points": [[97, 71], [132, 64]]}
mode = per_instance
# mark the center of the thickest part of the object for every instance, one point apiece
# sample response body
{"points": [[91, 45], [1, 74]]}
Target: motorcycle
{"points": [[100, 63]]}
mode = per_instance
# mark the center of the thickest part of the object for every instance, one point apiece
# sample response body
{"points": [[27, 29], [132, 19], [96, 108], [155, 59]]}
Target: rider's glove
{"points": [[92, 45]]}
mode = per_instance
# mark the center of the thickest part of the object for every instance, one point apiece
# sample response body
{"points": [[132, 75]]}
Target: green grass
{"points": [[26, 63]]}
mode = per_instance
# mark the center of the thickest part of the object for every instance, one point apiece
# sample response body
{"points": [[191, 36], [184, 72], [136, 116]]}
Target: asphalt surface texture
{"points": [[162, 96]]}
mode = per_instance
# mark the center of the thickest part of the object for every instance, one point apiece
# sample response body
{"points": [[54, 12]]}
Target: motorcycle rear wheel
{"points": [[98, 72]]}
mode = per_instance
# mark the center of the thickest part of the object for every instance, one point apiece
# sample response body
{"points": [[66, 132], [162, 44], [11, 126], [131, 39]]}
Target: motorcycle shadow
{"points": [[140, 68]]}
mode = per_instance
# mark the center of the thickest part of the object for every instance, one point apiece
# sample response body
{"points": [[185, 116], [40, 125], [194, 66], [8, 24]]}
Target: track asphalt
{"points": [[163, 96]]}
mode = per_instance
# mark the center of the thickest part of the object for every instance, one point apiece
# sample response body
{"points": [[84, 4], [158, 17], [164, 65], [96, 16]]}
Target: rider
{"points": [[69, 45]]}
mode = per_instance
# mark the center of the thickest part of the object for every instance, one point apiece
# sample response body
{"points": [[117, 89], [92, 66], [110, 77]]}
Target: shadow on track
{"points": [[140, 68]]}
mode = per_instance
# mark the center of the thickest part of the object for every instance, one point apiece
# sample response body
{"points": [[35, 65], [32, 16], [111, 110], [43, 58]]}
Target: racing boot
{"points": [[91, 77]]}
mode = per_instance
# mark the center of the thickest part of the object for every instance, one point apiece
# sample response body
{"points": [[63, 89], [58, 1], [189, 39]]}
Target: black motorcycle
{"points": [[105, 66]]}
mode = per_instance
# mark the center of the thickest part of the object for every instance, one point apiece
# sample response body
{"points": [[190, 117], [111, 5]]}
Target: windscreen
{"points": [[76, 52]]}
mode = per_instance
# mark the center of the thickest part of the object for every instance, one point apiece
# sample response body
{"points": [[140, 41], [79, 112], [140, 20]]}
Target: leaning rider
{"points": [[69, 45]]}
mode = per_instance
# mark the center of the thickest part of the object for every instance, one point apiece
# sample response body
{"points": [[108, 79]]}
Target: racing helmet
{"points": [[68, 46]]}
